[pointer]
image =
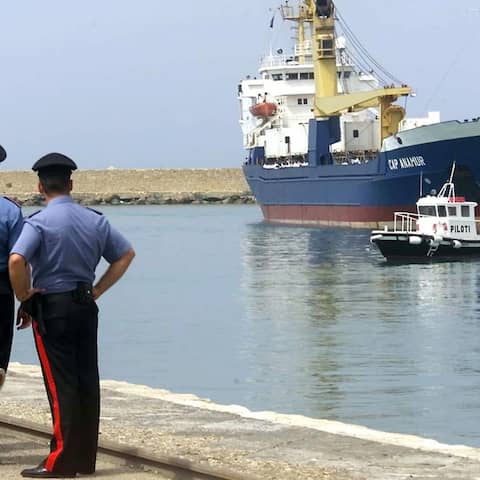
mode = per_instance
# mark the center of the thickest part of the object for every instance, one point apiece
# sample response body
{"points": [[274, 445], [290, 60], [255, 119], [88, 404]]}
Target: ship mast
{"points": [[301, 16]]}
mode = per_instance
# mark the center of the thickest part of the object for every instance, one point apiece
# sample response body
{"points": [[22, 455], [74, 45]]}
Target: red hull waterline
{"points": [[333, 215]]}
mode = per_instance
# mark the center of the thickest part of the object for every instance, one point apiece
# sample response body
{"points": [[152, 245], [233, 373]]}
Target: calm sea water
{"points": [[295, 320]]}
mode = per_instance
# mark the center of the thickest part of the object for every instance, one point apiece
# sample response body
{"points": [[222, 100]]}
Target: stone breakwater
{"points": [[138, 187]]}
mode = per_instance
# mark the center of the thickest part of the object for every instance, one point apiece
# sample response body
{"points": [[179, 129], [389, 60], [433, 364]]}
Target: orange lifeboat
{"points": [[264, 109]]}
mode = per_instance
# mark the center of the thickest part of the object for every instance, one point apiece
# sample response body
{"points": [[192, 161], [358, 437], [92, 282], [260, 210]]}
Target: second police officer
{"points": [[11, 222]]}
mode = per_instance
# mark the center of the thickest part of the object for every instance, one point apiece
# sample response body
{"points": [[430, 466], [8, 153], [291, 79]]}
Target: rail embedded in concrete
{"points": [[192, 470]]}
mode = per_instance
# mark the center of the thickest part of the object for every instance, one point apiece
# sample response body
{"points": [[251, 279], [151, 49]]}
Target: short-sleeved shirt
{"points": [[64, 243], [11, 222]]}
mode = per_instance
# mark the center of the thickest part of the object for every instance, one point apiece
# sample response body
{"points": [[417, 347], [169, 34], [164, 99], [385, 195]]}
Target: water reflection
{"points": [[331, 331], [305, 321]]}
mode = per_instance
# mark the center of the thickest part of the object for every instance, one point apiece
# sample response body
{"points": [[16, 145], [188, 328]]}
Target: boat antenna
{"points": [[451, 174]]}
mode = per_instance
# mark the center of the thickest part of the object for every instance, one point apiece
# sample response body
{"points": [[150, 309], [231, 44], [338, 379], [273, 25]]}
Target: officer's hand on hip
{"points": [[24, 320], [24, 296]]}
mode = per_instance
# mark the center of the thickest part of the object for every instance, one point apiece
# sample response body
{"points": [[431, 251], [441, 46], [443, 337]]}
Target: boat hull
{"points": [[368, 194], [398, 246]]}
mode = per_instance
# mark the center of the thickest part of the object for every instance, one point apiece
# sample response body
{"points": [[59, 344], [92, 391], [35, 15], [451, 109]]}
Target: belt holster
{"points": [[83, 294]]}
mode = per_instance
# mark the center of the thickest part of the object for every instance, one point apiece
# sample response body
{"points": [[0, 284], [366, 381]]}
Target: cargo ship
{"points": [[325, 142]]}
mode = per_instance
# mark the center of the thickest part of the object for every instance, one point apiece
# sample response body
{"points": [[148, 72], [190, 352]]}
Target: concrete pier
{"points": [[263, 444]]}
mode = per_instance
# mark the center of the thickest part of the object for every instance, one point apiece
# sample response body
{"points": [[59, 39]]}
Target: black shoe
{"points": [[2, 377], [42, 472]]}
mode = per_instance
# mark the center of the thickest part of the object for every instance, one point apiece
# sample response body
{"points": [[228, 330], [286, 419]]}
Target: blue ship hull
{"points": [[368, 194]]}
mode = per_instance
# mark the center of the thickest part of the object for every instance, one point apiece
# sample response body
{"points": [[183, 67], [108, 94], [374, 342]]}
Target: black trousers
{"points": [[67, 349], [6, 328]]}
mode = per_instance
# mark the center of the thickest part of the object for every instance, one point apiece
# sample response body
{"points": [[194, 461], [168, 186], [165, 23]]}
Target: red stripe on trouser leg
{"points": [[57, 430]]}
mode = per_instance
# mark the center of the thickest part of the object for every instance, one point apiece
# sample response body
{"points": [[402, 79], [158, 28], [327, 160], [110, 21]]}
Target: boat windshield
{"points": [[442, 211], [452, 211], [427, 210]]}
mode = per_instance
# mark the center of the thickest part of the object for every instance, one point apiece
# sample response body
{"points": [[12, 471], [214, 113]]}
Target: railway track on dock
{"points": [[180, 468]]}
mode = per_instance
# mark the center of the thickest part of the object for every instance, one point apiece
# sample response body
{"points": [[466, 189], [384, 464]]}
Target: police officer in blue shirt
{"points": [[11, 222], [63, 243]]}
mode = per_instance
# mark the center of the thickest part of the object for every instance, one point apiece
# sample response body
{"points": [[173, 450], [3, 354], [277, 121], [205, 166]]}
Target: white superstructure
{"points": [[288, 82]]}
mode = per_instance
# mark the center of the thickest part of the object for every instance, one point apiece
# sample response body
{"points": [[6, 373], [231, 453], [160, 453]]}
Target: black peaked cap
{"points": [[53, 161]]}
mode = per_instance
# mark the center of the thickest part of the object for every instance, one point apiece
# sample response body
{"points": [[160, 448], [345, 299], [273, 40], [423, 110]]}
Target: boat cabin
{"points": [[446, 215]]}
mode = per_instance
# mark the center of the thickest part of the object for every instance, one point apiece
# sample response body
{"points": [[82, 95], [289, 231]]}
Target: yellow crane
{"points": [[328, 102]]}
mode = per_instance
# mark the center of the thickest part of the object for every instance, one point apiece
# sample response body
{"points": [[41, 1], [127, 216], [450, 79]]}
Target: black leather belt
{"points": [[34, 306], [82, 294]]}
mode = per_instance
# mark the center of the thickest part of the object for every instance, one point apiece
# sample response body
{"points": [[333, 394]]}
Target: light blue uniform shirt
{"points": [[64, 243], [11, 222]]}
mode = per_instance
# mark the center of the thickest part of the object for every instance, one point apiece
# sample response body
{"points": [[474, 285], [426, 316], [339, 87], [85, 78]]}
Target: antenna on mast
{"points": [[451, 174]]}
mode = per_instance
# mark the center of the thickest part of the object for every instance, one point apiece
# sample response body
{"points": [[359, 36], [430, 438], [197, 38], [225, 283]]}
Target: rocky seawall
{"points": [[139, 187]]}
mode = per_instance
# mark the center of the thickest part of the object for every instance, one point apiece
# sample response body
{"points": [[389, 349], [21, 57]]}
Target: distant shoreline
{"points": [[139, 187]]}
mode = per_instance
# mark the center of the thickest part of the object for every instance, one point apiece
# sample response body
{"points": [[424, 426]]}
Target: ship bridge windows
{"points": [[306, 75], [302, 101], [465, 211], [293, 76]]}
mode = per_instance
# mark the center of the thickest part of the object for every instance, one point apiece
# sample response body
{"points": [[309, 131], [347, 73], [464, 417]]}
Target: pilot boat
{"points": [[444, 226]]}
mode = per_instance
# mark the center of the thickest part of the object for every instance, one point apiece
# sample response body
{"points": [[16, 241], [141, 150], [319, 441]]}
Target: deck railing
{"points": [[405, 222]]}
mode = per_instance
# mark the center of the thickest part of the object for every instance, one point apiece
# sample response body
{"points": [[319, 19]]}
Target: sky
{"points": [[152, 84]]}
